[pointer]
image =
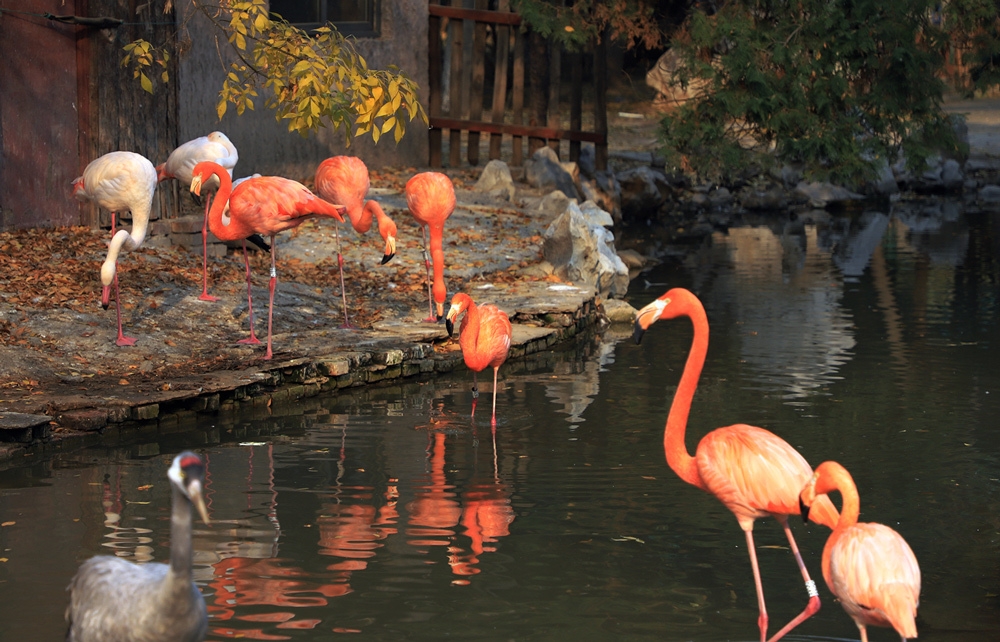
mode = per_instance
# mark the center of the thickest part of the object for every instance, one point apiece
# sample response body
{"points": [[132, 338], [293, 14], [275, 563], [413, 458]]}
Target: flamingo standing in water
{"points": [[119, 181], [261, 205], [344, 180], [869, 567], [113, 599], [213, 147], [753, 472], [485, 339], [431, 199]]}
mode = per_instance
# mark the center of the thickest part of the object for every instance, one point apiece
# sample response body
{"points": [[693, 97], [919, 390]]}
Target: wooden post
{"points": [[478, 82], [517, 99], [575, 102], [555, 80], [600, 101], [500, 80], [435, 66], [455, 92]]}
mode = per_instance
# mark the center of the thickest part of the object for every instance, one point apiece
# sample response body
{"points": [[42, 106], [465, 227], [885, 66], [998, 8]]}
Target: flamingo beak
{"points": [[804, 511], [105, 296], [440, 311], [390, 250], [196, 185], [450, 320], [646, 317]]}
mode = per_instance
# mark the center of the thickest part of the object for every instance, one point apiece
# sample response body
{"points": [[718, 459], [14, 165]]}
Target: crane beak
{"points": [[194, 492]]}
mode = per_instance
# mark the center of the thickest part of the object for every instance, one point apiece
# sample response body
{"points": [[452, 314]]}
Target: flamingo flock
{"points": [[256, 206], [868, 567]]}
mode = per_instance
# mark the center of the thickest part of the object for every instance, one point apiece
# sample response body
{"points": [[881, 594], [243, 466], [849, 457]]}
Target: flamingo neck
{"points": [[437, 260], [231, 229], [386, 227], [832, 476], [125, 241], [678, 458], [471, 324]]}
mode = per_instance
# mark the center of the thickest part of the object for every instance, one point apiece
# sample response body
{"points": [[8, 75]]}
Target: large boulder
{"points": [[643, 191], [496, 181], [582, 250], [544, 170]]}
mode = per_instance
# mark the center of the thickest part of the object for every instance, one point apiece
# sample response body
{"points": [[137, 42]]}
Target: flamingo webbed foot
{"points": [[122, 340], [251, 340], [205, 296]]}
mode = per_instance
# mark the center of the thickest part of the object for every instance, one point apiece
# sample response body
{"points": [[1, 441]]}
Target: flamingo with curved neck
{"points": [[868, 566], [485, 339], [119, 182], [263, 205], [344, 180], [752, 471], [431, 199]]}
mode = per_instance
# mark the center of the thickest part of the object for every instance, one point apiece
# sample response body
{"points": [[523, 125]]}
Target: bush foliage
{"points": [[836, 88]]}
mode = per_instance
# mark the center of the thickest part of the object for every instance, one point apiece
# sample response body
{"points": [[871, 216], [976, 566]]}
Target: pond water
{"points": [[388, 512]]}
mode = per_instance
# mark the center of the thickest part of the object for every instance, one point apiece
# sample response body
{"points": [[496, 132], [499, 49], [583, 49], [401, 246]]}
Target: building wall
{"points": [[265, 145], [39, 155]]}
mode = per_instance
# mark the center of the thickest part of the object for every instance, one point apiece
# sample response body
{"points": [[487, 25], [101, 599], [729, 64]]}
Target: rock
{"points": [[951, 175], [643, 191], [604, 190], [720, 197], [581, 250], [772, 198], [554, 203], [545, 171], [618, 311], [825, 194], [990, 194], [632, 259], [588, 160], [595, 216], [885, 184], [496, 180]]}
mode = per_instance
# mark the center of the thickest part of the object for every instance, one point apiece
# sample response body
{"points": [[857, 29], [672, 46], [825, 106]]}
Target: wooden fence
{"points": [[460, 91]]}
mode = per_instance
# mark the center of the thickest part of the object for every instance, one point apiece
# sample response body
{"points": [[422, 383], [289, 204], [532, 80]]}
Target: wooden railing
{"points": [[466, 90]]}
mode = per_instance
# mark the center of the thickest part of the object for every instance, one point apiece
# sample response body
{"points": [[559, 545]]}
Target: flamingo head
{"points": [[79, 191], [187, 474], [205, 173], [390, 249], [807, 497], [459, 304], [676, 302], [108, 270], [161, 173]]}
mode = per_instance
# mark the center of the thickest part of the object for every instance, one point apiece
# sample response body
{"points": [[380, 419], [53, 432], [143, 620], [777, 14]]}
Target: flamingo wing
{"points": [[875, 574], [752, 471], [118, 180], [272, 204]]}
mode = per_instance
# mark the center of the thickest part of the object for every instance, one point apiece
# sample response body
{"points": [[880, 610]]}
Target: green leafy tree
{"points": [[310, 80], [576, 25], [836, 87]]}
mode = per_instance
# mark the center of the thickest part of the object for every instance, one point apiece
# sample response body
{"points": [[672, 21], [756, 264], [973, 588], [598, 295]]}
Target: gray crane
{"points": [[113, 600]]}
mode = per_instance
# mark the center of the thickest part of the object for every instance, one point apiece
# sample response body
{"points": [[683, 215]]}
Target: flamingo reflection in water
{"points": [[483, 510], [249, 572]]}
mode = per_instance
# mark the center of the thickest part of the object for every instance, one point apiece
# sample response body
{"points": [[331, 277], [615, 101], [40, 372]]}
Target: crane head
{"points": [[187, 474]]}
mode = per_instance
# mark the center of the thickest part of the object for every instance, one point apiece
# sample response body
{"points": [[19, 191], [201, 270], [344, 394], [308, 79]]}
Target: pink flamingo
{"points": [[344, 180], [119, 181], [485, 339], [262, 205], [869, 567], [213, 147], [431, 199], [753, 472]]}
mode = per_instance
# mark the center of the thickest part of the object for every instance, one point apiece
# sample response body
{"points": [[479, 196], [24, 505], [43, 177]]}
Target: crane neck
{"points": [[180, 536], [678, 458]]}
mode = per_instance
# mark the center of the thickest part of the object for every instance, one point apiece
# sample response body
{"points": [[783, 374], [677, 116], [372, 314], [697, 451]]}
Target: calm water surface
{"points": [[389, 513]]}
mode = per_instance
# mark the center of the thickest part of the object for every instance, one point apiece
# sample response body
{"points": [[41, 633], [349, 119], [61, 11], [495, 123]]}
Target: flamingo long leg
{"points": [[205, 296], [494, 420], [762, 608], [252, 339], [343, 290], [813, 605], [122, 340], [270, 306], [430, 288]]}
